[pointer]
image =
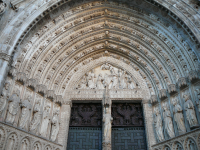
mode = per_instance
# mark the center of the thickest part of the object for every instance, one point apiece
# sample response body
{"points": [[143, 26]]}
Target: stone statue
{"points": [[45, 121], [55, 125], [105, 66], [122, 79], [190, 112], [26, 113], [83, 84], [168, 121], [107, 120], [2, 7], [158, 125], [178, 116], [198, 99], [13, 107], [91, 80], [100, 82], [130, 83], [114, 84], [35, 123], [4, 97]]}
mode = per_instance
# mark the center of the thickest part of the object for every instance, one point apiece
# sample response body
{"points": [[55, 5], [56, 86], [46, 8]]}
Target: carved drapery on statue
{"points": [[55, 125], [158, 124], [190, 111], [108, 75]]}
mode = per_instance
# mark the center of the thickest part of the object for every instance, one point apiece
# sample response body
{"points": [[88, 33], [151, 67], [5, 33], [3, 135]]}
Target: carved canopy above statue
{"points": [[109, 75]]}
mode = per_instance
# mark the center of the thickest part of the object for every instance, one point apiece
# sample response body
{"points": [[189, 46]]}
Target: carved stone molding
{"points": [[67, 102], [4, 56], [182, 82], [162, 94], [172, 88]]}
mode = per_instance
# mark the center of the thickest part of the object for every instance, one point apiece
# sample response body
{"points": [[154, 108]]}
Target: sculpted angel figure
{"points": [[130, 83], [4, 97], [55, 125], [168, 121], [37, 115], [158, 125], [26, 113], [190, 112], [100, 82], [45, 121], [114, 84], [13, 107], [107, 120], [122, 79], [178, 116], [91, 80]]}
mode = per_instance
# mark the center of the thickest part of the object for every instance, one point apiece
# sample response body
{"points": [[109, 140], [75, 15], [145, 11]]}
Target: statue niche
{"points": [[108, 75]]}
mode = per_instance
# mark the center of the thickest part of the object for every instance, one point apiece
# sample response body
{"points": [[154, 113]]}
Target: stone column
{"points": [[4, 67], [107, 120], [65, 114]]}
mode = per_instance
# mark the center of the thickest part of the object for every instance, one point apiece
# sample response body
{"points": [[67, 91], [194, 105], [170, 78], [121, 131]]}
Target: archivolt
{"points": [[81, 34]]}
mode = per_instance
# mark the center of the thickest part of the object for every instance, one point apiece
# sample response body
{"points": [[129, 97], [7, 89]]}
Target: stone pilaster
{"points": [[64, 123]]}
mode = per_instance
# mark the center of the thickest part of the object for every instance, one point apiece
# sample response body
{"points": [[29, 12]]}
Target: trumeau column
{"points": [[148, 118], [4, 63], [64, 123], [107, 120]]}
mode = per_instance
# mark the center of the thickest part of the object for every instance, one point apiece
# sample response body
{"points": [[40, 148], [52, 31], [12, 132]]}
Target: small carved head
{"points": [[186, 97]]}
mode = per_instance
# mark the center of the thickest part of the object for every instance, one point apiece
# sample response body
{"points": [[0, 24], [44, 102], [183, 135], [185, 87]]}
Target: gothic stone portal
{"points": [[85, 132]]}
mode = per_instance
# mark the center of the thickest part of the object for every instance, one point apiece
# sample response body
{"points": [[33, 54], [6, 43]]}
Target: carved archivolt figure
{"points": [[158, 125], [4, 97], [55, 125], [35, 123], [2, 7], [107, 120], [45, 121], [100, 82], [168, 121], [25, 114], [190, 112], [178, 116], [13, 107], [198, 99]]}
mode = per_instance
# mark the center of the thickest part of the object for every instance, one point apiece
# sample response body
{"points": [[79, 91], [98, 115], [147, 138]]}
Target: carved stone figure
{"points": [[130, 83], [55, 125], [13, 107], [11, 142], [91, 80], [158, 125], [168, 121], [2, 7], [107, 120], [35, 123], [83, 84], [45, 121], [4, 97], [190, 112], [114, 79], [122, 79], [178, 116], [25, 114], [198, 99], [105, 66], [100, 82]]}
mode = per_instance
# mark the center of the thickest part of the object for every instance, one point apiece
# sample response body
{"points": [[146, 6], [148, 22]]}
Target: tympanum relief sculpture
{"points": [[158, 124], [4, 97], [45, 121], [168, 120], [55, 125], [13, 107], [190, 111], [107, 75], [25, 113], [178, 116], [37, 115]]}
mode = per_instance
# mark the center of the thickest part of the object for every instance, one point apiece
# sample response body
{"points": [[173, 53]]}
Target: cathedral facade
{"points": [[99, 74]]}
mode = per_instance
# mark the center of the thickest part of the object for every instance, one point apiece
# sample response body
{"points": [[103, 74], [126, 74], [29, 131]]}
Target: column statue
{"points": [[178, 116], [13, 107], [168, 121], [26, 113], [190, 112], [45, 121], [55, 125], [158, 125], [4, 97], [37, 115]]}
